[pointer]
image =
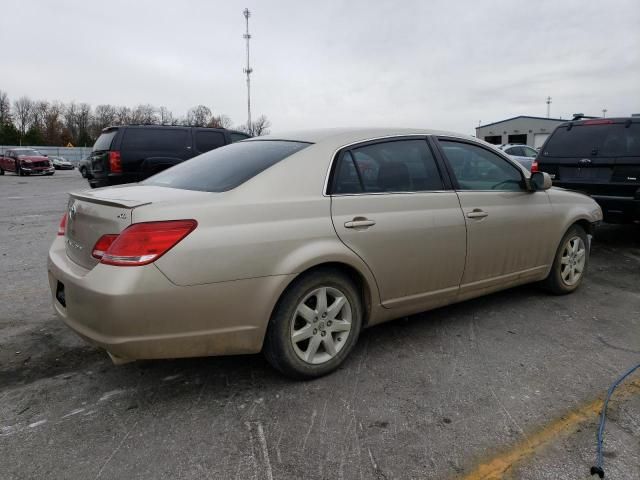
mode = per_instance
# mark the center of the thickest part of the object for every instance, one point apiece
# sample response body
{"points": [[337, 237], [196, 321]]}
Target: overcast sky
{"points": [[435, 64]]}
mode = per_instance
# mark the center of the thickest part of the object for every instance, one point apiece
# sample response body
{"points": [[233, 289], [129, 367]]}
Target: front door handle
{"points": [[477, 213], [359, 222]]}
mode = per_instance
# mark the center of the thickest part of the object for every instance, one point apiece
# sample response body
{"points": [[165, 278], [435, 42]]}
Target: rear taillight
{"points": [[115, 164], [143, 243], [534, 167], [102, 245], [62, 226]]}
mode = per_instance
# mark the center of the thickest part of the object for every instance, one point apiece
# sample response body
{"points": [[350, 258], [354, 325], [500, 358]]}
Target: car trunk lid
{"points": [[95, 213]]}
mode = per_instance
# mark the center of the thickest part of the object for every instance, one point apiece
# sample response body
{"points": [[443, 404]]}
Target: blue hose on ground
{"points": [[598, 468]]}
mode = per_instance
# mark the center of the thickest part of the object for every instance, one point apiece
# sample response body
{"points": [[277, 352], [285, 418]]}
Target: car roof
{"points": [[345, 135]]}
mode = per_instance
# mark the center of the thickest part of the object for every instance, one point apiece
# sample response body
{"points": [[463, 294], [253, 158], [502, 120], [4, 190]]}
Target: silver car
{"points": [[523, 154], [292, 244]]}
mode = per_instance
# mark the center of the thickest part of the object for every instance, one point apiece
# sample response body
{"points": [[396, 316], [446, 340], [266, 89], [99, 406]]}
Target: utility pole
{"points": [[248, 70], [604, 112], [548, 107]]}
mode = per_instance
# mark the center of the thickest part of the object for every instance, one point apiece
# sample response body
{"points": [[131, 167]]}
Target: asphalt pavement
{"points": [[504, 386]]}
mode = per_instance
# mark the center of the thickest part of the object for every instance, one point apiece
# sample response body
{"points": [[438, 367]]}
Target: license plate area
{"points": [[586, 173], [60, 296]]}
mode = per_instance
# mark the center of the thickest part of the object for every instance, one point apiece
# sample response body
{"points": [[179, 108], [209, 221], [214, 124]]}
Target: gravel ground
{"points": [[436, 395]]}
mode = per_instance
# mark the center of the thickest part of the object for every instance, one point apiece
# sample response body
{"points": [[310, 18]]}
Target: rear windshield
{"points": [[104, 140], [612, 140], [227, 167]]}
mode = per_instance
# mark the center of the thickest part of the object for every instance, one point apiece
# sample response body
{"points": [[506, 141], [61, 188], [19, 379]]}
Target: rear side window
{"points": [[104, 140], [168, 140], [226, 168], [610, 140], [397, 166], [206, 140]]}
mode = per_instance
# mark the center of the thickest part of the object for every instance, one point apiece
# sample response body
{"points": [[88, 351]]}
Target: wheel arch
{"points": [[363, 280]]}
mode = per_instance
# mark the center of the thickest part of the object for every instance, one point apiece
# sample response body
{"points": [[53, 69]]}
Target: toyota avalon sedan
{"points": [[292, 244]]}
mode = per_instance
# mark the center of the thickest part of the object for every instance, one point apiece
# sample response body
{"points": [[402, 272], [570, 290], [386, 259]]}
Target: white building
{"points": [[532, 131]]}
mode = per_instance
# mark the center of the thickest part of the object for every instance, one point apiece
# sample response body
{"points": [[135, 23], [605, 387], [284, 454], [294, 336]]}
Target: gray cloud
{"points": [[440, 64]]}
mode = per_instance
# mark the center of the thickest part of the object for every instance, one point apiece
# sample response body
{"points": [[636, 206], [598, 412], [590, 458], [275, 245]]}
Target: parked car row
{"points": [[25, 161]]}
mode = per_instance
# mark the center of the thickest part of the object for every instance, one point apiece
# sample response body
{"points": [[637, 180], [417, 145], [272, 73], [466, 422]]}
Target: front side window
{"points": [[226, 168], [393, 166], [476, 168]]}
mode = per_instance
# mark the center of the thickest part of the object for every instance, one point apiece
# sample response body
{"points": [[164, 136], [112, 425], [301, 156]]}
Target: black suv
{"points": [[131, 153], [599, 157]]}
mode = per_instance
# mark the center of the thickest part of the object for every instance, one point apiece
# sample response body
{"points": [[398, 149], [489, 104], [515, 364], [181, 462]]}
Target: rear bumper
{"points": [[619, 209], [137, 313]]}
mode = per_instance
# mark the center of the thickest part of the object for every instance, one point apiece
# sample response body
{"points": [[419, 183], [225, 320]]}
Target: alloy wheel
{"points": [[321, 325], [573, 260]]}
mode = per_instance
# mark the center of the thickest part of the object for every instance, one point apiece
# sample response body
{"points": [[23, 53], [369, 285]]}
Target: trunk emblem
{"points": [[72, 211], [73, 244], [585, 161], [122, 216]]}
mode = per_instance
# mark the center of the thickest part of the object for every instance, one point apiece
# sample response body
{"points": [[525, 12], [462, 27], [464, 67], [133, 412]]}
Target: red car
{"points": [[25, 161]]}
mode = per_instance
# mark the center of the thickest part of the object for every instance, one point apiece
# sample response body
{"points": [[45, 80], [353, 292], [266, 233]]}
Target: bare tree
{"points": [[144, 114], [70, 115], [259, 127], [38, 114], [198, 116], [220, 121], [83, 121], [22, 112], [103, 116], [52, 132], [5, 108], [123, 115]]}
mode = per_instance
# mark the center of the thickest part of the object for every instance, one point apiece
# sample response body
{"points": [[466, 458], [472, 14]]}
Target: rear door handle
{"points": [[477, 213], [359, 222]]}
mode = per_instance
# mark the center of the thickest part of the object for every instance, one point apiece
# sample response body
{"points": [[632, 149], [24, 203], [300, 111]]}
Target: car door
{"points": [[509, 235], [390, 205]]}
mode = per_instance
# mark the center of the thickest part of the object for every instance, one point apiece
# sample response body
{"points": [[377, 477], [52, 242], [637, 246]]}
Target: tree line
{"points": [[38, 122]]}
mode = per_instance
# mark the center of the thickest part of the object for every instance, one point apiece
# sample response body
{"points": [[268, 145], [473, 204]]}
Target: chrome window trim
{"points": [[334, 156]]}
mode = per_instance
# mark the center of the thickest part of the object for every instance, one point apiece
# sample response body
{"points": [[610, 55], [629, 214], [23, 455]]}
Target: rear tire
{"points": [[1, 171], [83, 172], [315, 325], [570, 263]]}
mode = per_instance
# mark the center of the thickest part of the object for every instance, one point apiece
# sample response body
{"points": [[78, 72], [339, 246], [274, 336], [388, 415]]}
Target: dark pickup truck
{"points": [[599, 157], [131, 153], [25, 161]]}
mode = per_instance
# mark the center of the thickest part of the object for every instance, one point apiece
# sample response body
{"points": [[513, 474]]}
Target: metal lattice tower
{"points": [[248, 70]]}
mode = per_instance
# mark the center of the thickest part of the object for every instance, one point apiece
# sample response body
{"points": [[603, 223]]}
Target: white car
{"points": [[523, 154]]}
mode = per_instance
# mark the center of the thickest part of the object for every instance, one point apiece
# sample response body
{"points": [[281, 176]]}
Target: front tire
{"points": [[570, 263], [315, 325], [83, 172]]}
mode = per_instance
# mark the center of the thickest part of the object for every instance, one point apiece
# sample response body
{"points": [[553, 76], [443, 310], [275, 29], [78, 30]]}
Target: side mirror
{"points": [[540, 181]]}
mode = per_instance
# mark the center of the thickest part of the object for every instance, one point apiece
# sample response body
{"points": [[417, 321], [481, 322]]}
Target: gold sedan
{"points": [[291, 244]]}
